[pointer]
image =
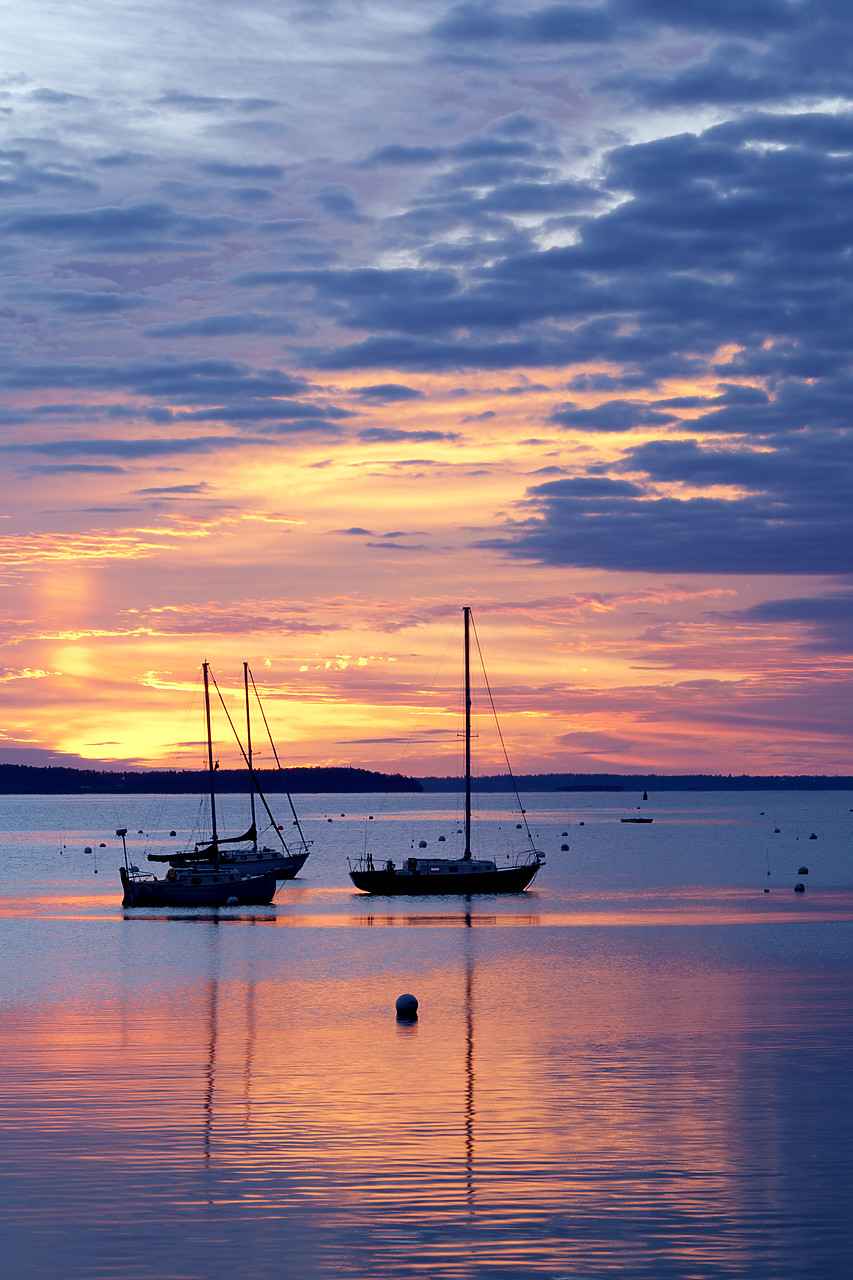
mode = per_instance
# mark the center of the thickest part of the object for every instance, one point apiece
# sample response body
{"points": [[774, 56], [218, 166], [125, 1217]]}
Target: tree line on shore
{"points": [[21, 779]]}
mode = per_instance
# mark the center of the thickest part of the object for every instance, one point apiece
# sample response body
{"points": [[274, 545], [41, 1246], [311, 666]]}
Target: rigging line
{"points": [[500, 735], [263, 798], [278, 762]]}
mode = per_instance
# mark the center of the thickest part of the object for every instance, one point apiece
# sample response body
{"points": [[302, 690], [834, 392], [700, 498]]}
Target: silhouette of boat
{"points": [[210, 875], [425, 875]]}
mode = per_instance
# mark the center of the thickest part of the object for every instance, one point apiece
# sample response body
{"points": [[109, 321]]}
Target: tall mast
{"points": [[467, 854], [249, 747], [214, 833]]}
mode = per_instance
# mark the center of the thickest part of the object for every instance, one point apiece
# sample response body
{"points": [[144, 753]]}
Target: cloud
{"points": [[388, 393], [180, 100], [826, 621]]}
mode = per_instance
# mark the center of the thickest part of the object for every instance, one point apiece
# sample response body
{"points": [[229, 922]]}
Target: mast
{"points": [[249, 749], [466, 611], [214, 834]]}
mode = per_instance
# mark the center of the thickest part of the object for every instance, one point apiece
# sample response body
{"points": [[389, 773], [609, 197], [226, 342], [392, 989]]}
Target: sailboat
{"points": [[210, 875], [285, 861], [420, 875]]}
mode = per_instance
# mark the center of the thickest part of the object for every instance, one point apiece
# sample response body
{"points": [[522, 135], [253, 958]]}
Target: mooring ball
{"points": [[799, 887], [88, 849], [407, 1005]]}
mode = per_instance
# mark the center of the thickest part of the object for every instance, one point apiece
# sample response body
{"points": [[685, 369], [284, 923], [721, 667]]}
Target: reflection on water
{"points": [[654, 1085]]}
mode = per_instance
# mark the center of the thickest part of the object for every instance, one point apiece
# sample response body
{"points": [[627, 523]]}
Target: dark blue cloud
{"points": [[389, 393], [825, 621], [217, 326], [792, 514], [552, 24], [180, 100], [613, 415]]}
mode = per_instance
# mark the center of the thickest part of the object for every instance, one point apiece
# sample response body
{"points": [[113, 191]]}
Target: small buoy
{"points": [[766, 890], [803, 871], [564, 848], [96, 870], [645, 795], [407, 1006], [140, 832], [581, 824], [813, 836], [564, 833], [441, 839], [173, 833], [103, 846], [761, 815], [343, 815], [422, 844], [518, 826], [370, 817], [328, 819], [799, 887], [88, 849], [776, 831], [232, 902]]}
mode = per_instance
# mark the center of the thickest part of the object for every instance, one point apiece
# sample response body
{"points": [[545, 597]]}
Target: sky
{"points": [[322, 320]]}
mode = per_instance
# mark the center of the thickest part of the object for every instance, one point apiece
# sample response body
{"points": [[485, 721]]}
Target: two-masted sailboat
{"points": [[219, 870], [420, 875]]}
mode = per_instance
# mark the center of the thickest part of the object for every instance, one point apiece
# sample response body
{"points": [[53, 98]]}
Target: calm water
{"points": [[640, 1068]]}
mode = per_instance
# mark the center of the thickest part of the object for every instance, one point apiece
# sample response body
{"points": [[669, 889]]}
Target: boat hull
{"points": [[404, 883], [244, 891]]}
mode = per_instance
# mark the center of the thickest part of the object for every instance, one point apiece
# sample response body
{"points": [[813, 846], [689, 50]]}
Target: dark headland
{"points": [[20, 779]]}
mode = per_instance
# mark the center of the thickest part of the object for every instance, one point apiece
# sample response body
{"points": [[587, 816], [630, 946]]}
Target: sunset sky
{"points": [[323, 319]]}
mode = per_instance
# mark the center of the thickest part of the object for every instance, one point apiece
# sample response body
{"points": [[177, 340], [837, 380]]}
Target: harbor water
{"points": [[638, 1068]]}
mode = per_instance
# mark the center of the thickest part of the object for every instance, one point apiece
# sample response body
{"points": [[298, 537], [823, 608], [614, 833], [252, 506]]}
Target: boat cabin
{"points": [[445, 866]]}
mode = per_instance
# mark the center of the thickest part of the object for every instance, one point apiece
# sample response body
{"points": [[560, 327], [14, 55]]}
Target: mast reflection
{"points": [[469, 1062]]}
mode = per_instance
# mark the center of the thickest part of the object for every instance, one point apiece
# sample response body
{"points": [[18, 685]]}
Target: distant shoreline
{"points": [[19, 779]]}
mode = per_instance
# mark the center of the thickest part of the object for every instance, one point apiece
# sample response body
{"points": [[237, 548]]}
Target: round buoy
{"points": [[776, 831], [564, 848], [799, 887], [140, 832], [564, 833], [406, 1006], [766, 890], [442, 839], [802, 871], [173, 833], [328, 819], [88, 849], [581, 824], [422, 844], [232, 902], [102, 845], [813, 836]]}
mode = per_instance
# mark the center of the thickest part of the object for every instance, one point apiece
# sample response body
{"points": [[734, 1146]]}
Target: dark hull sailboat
{"points": [[422, 876], [246, 856], [210, 875], [197, 887]]}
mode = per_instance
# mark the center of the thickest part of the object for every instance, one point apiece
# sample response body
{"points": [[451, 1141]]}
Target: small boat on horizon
{"points": [[419, 876], [209, 875], [636, 819]]}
